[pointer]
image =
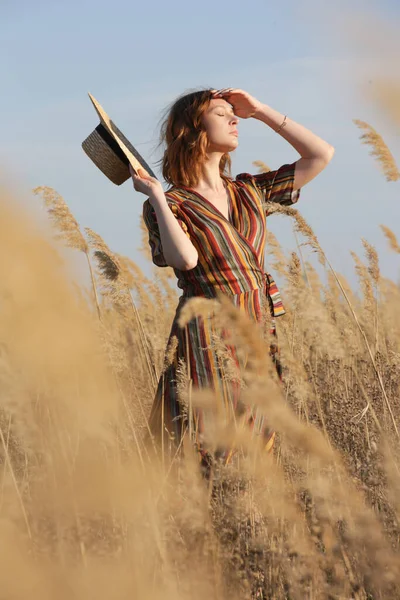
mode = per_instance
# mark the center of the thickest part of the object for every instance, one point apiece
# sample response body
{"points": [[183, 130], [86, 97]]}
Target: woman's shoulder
{"points": [[173, 198], [175, 195], [243, 178]]}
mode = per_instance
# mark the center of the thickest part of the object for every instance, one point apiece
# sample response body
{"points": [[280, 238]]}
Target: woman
{"points": [[211, 229]]}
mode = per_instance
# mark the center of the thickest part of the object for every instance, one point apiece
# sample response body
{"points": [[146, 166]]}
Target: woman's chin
{"points": [[224, 148], [232, 145]]}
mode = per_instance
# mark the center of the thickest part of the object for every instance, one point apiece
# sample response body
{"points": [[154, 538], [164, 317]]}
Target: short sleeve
{"points": [[150, 219], [275, 186]]}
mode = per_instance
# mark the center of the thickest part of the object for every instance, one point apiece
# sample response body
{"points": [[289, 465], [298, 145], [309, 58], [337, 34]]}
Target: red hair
{"points": [[186, 141]]}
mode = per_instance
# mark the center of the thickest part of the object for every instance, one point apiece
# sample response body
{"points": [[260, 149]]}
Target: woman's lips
{"points": [[235, 133]]}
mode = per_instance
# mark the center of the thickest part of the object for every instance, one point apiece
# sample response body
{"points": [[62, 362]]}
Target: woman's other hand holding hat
{"points": [[145, 184]]}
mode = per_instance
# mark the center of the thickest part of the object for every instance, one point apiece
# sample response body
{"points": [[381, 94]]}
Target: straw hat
{"points": [[110, 151]]}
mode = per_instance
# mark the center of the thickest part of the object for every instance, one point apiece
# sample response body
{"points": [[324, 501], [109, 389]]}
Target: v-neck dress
{"points": [[231, 260]]}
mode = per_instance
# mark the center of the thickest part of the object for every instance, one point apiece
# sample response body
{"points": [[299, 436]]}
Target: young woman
{"points": [[211, 229]]}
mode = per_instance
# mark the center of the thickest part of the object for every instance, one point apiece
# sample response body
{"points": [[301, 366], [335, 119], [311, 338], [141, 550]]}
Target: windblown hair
{"points": [[186, 141]]}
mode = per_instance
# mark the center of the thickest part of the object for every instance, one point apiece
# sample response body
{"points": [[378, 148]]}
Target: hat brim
{"points": [[137, 161]]}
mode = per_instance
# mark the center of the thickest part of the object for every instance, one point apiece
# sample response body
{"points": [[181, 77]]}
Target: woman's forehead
{"points": [[219, 102]]}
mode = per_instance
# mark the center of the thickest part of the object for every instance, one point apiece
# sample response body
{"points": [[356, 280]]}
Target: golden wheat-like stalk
{"points": [[373, 261], [379, 150], [275, 249], [62, 218], [262, 167], [109, 270], [115, 277], [170, 352], [301, 226], [138, 282], [295, 270], [390, 236], [313, 278], [67, 228], [364, 279]]}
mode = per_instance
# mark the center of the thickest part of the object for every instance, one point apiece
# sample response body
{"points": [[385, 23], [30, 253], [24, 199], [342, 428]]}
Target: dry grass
{"points": [[86, 509], [390, 236], [379, 150]]}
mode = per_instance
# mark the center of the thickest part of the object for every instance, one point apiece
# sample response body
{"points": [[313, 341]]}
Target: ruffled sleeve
{"points": [[150, 219], [274, 186]]}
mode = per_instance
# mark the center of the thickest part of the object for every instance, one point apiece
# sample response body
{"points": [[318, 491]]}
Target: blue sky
{"points": [[135, 58]]}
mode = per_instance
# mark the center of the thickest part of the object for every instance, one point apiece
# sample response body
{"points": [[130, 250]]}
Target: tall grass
{"points": [[88, 510]]}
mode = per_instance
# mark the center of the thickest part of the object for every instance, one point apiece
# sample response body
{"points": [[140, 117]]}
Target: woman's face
{"points": [[220, 124]]}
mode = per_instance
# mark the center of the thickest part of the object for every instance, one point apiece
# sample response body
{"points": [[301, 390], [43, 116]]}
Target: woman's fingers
{"points": [[139, 174], [222, 91]]}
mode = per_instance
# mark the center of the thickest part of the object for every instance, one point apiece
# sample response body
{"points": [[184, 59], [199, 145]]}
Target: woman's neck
{"points": [[210, 179]]}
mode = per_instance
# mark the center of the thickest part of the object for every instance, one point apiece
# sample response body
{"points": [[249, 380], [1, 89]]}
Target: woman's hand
{"points": [[244, 105], [144, 183]]}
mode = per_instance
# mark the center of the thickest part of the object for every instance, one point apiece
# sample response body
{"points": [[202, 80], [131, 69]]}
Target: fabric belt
{"points": [[272, 293], [275, 296]]}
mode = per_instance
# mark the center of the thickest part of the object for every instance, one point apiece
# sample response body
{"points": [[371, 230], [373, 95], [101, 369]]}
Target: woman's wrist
{"points": [[158, 197], [269, 116]]}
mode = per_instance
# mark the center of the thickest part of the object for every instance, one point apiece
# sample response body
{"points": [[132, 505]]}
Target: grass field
{"points": [[86, 512]]}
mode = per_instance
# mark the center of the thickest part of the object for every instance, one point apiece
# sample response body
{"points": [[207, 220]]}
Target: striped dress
{"points": [[230, 259]]}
